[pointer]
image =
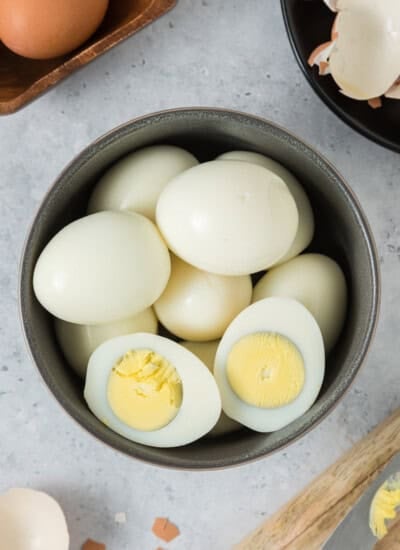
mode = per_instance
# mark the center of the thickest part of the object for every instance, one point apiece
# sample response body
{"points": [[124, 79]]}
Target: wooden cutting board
{"points": [[307, 521]]}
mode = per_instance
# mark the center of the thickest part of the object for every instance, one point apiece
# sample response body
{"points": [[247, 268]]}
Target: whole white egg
{"points": [[135, 182], [228, 217], [206, 351], [197, 305], [31, 520], [102, 268], [318, 283], [151, 390], [270, 364], [78, 342], [305, 230]]}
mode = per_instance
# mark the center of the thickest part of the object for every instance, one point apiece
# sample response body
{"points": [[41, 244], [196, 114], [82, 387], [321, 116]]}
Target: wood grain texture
{"points": [[22, 80], [306, 522]]}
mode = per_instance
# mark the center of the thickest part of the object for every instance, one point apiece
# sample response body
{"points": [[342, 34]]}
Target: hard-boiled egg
{"points": [[135, 182], [102, 268], [305, 229], [151, 390], [197, 305], [270, 364], [31, 520], [228, 217], [318, 283], [206, 351], [78, 342]]}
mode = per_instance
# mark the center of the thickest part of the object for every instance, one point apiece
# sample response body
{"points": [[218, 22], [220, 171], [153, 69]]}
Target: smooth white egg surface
{"points": [[318, 283], [305, 229], [152, 390], [228, 217], [270, 364], [78, 342], [31, 520], [197, 305], [135, 182], [206, 351], [102, 268]]}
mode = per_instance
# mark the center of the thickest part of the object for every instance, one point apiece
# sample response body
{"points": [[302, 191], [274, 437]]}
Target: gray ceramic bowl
{"points": [[341, 231]]}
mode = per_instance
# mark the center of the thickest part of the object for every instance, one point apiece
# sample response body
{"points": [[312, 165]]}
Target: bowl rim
{"points": [[338, 111], [330, 403]]}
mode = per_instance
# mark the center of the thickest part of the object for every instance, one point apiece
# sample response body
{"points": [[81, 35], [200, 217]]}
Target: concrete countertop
{"points": [[217, 53]]}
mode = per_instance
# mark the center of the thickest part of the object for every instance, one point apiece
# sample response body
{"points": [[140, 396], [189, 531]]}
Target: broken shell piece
{"points": [[320, 57], [93, 545], [332, 4], [165, 530]]}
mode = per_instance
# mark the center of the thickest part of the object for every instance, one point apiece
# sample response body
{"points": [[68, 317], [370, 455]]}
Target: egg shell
{"points": [[228, 217], [305, 229], [201, 402], [292, 320], [135, 182], [102, 268], [78, 342], [318, 283], [366, 59], [42, 29], [31, 520], [206, 351], [197, 305]]}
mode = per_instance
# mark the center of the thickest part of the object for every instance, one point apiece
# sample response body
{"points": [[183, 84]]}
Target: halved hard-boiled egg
{"points": [[228, 217], [305, 229], [270, 364], [151, 390], [102, 268], [206, 352], [197, 305], [31, 520], [135, 182], [78, 342]]}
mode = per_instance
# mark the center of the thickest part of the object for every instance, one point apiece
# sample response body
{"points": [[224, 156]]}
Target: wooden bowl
{"points": [[342, 232], [22, 79]]}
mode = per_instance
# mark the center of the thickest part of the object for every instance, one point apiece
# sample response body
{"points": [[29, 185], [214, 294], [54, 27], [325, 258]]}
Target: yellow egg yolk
{"points": [[384, 506], [144, 390], [265, 370]]}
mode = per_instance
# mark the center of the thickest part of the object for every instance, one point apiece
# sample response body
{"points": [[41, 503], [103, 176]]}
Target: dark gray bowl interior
{"points": [[341, 232]]}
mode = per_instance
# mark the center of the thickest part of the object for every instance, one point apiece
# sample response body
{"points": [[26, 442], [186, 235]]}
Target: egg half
{"points": [[151, 390], [78, 342], [305, 229], [31, 520], [228, 217], [206, 351], [135, 182], [197, 305], [270, 364]]}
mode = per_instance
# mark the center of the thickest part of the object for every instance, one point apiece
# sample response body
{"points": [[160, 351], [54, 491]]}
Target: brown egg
{"points": [[41, 29]]}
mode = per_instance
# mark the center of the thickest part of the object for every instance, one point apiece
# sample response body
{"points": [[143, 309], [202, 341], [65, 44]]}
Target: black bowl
{"points": [[308, 24], [342, 232]]}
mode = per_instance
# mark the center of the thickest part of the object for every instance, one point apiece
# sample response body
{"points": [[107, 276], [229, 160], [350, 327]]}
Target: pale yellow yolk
{"points": [[384, 506], [144, 390], [265, 370]]}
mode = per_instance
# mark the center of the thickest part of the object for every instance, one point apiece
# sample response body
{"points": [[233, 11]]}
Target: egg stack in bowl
{"points": [[184, 301]]}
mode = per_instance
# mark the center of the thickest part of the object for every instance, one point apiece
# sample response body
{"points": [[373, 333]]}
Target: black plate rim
{"points": [[342, 114]]}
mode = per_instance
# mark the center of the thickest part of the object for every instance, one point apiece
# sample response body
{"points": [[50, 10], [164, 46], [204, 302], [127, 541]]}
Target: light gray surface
{"points": [[217, 53]]}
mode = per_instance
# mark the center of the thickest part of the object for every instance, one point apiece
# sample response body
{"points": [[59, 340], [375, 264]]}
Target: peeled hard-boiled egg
{"points": [[135, 182], [41, 29], [151, 390], [270, 364], [78, 342], [197, 305], [228, 217], [305, 229], [365, 60], [206, 351], [318, 283], [102, 268], [31, 520]]}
